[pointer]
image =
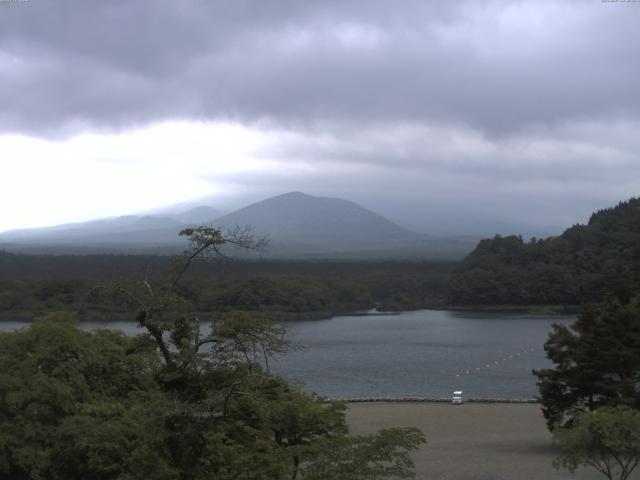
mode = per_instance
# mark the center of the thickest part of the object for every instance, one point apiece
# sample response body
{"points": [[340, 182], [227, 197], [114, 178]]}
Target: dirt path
{"points": [[472, 441]]}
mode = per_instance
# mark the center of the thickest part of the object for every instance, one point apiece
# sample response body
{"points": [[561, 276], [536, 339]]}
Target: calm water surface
{"points": [[422, 353]]}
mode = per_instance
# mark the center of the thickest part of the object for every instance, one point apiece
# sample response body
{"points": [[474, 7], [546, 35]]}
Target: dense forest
{"points": [[572, 269], [577, 267], [33, 284]]}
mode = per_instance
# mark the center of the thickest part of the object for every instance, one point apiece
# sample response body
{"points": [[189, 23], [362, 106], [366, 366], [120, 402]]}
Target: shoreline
{"points": [[542, 310], [445, 400], [528, 309]]}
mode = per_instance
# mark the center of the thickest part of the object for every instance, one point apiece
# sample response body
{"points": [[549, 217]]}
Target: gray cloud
{"points": [[496, 66], [521, 110], [438, 178]]}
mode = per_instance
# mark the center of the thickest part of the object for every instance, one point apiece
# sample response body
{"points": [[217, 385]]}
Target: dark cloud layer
{"points": [[496, 66], [437, 113]]}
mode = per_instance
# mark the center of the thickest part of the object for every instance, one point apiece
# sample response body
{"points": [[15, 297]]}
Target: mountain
{"points": [[580, 266], [197, 215], [95, 230], [297, 226], [125, 234], [325, 223], [301, 225]]}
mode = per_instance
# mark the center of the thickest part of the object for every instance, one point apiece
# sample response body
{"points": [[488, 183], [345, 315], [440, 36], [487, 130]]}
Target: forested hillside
{"points": [[579, 266], [34, 284]]}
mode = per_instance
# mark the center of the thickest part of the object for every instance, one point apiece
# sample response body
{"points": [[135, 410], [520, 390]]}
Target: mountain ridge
{"points": [[297, 224]]}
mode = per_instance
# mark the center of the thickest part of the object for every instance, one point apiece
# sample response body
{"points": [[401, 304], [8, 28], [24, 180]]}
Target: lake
{"points": [[426, 353]]}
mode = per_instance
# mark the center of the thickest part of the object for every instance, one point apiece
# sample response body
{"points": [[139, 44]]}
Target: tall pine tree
{"points": [[597, 362]]}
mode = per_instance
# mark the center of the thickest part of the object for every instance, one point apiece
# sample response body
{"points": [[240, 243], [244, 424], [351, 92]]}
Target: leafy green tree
{"points": [[77, 405], [177, 402], [596, 362], [383, 455], [607, 439]]}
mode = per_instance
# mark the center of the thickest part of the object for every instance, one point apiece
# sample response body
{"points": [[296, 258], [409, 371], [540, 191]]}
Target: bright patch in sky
{"points": [[97, 175]]}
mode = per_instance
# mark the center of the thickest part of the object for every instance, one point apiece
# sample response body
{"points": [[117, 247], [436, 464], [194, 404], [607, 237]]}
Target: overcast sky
{"points": [[443, 115]]}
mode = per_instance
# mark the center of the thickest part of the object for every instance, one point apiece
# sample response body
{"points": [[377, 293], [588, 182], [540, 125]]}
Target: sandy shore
{"points": [[472, 441]]}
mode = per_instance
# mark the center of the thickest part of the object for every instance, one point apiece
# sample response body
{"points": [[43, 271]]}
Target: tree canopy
{"points": [[191, 398], [596, 362], [578, 267], [79, 405], [607, 439]]}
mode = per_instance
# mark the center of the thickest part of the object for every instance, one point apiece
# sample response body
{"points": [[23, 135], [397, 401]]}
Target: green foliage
{"points": [[578, 267], [76, 405], [240, 337], [384, 455], [607, 439], [173, 403], [42, 295], [286, 294], [287, 289], [596, 362]]}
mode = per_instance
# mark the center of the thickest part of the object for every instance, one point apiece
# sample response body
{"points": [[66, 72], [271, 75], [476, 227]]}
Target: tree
{"points": [[383, 455], [607, 439], [179, 402], [581, 265], [596, 362], [77, 405]]}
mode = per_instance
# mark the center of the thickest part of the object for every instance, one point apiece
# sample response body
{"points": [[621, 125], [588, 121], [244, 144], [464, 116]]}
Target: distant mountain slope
{"points": [[304, 226], [197, 215], [109, 228], [153, 230], [297, 225], [577, 267], [326, 223]]}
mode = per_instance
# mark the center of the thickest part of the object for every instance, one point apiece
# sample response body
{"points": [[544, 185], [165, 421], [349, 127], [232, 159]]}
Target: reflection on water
{"points": [[422, 353]]}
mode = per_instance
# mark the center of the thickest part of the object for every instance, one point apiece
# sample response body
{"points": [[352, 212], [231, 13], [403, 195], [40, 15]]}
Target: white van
{"points": [[456, 397]]}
